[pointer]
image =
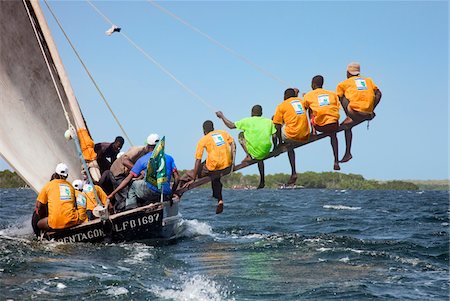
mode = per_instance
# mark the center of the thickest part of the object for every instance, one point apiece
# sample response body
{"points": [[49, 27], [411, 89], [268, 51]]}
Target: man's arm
{"points": [[122, 185], [233, 154], [227, 122], [278, 133], [197, 165], [176, 180]]}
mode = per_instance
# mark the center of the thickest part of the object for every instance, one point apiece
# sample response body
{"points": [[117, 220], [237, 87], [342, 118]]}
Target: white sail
{"points": [[32, 119]]}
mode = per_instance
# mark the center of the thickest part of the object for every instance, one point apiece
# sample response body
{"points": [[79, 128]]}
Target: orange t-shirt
{"points": [[360, 91], [60, 197], [91, 202], [324, 105], [292, 114], [217, 144], [81, 200]]}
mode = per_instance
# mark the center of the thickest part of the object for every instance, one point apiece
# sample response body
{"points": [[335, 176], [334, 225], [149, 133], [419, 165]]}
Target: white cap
{"points": [[62, 169], [78, 184], [152, 139]]}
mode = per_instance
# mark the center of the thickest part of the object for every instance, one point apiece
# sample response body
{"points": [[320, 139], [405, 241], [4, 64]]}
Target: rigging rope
{"points": [[69, 124], [214, 41], [89, 73], [154, 61]]}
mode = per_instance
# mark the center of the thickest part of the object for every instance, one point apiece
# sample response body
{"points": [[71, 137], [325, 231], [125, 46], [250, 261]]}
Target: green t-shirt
{"points": [[258, 133]]}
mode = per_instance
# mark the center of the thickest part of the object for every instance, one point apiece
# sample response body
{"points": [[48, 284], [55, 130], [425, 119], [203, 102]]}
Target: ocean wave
{"points": [[138, 253], [340, 207], [193, 288], [116, 291], [192, 228]]}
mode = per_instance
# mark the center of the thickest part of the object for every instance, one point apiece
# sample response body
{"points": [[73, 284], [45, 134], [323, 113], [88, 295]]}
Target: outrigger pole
{"points": [[275, 153]]}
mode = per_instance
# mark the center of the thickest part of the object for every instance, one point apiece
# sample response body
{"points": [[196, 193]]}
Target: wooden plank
{"points": [[278, 151]]}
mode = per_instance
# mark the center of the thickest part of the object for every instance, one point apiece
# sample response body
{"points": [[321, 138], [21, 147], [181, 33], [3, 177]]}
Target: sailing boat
{"points": [[37, 106]]}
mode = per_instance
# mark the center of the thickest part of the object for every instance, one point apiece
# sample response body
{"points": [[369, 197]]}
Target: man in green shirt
{"points": [[256, 137]]}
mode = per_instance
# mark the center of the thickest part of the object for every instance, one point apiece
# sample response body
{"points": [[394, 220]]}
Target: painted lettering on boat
{"points": [[138, 222], [84, 236]]}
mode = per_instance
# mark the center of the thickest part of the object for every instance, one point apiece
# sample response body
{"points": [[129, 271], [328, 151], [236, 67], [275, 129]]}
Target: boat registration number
{"points": [[137, 222]]}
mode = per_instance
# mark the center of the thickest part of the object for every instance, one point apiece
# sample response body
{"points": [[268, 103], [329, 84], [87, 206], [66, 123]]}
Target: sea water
{"points": [[267, 245]]}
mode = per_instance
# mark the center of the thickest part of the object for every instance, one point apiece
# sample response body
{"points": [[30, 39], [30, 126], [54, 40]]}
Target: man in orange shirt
{"points": [[323, 108], [292, 126], [60, 197], [221, 151], [359, 96]]}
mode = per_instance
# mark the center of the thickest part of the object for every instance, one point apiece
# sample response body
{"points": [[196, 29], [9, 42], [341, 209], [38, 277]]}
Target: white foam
{"points": [[191, 228], [345, 259], [117, 291], [340, 207], [60, 286], [194, 288], [21, 228], [138, 253], [323, 249]]}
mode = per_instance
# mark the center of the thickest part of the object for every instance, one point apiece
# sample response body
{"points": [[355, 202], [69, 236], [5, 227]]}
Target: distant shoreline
{"points": [[323, 180]]}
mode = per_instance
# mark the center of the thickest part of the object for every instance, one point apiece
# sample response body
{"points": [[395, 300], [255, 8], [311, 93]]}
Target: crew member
{"points": [[323, 108], [291, 122], [359, 97], [107, 152], [256, 137], [120, 169], [221, 152], [141, 192], [60, 197]]}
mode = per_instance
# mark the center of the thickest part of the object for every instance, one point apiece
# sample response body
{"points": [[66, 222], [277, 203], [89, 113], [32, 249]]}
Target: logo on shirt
{"points": [[360, 84], [297, 107], [64, 192], [81, 201], [88, 188], [218, 139], [324, 100]]}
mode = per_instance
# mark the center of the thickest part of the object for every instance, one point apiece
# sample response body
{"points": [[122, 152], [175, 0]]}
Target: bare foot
{"points": [[292, 179], [261, 185], [346, 158], [219, 208], [336, 166]]}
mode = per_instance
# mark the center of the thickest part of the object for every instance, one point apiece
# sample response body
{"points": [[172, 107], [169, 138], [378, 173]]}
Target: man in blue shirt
{"points": [[141, 192]]}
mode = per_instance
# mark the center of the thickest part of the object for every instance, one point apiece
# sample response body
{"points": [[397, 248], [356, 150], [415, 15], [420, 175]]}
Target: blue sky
{"points": [[402, 46]]}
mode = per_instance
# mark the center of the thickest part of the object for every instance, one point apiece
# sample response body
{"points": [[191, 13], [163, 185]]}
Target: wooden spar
{"points": [[278, 151]]}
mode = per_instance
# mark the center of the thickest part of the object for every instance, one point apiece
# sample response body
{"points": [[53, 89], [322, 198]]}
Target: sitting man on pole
{"points": [[256, 137], [159, 169], [359, 97]]}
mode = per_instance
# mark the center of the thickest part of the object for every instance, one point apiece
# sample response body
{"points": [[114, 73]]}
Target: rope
{"points": [[154, 61], [214, 41], [69, 124], [89, 74]]}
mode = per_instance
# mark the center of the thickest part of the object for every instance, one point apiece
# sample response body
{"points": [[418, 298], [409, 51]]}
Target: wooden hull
{"points": [[152, 222]]}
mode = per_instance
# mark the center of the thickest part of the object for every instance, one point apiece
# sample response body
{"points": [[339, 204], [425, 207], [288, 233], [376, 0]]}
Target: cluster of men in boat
{"points": [[122, 181]]}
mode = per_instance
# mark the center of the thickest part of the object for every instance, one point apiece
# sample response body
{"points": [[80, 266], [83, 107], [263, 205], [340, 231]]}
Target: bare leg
{"points": [[348, 145], [244, 147], [262, 182], [334, 145], [43, 224], [293, 178]]}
